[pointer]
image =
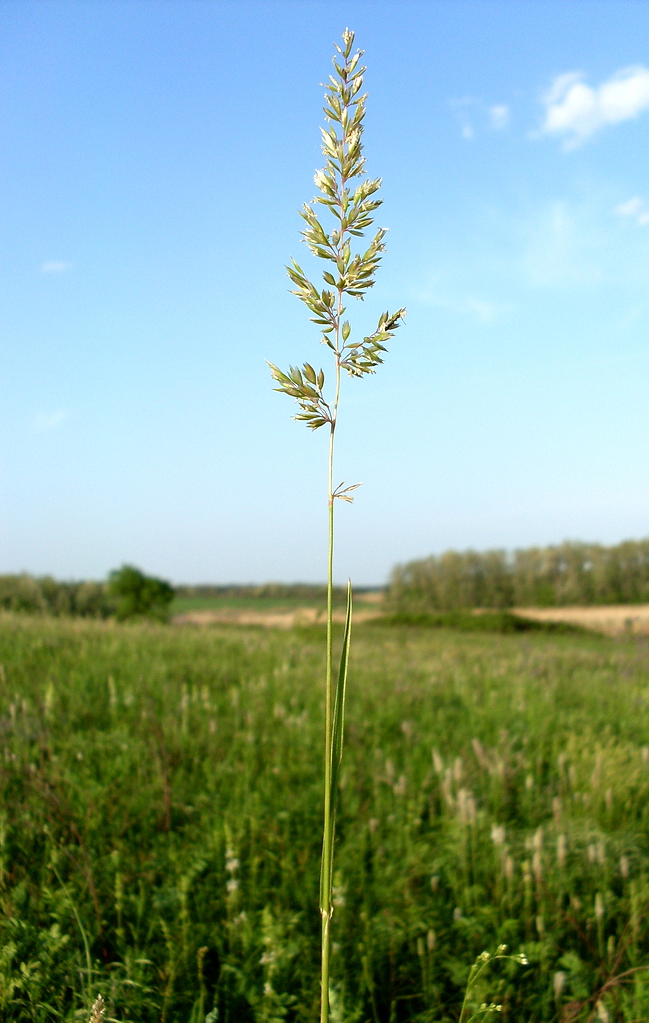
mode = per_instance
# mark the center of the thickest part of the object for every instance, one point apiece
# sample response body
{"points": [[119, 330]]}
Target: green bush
{"points": [[503, 622], [138, 595]]}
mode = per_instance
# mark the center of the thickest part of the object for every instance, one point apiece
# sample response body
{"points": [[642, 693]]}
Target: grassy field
{"points": [[160, 823]]}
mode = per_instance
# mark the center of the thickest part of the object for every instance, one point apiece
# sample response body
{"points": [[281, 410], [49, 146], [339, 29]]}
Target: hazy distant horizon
{"points": [[358, 587]]}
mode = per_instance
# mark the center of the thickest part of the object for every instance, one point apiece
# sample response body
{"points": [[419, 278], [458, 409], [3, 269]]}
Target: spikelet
{"points": [[498, 834], [480, 754], [599, 906], [602, 1012], [561, 851], [98, 1011]]}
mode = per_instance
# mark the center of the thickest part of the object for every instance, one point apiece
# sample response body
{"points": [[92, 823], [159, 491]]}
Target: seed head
{"points": [[98, 1011], [599, 906]]}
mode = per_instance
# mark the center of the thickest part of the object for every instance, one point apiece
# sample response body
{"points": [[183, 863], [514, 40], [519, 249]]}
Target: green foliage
{"points": [[466, 621], [571, 573], [494, 790], [49, 596], [473, 1008], [138, 595]]}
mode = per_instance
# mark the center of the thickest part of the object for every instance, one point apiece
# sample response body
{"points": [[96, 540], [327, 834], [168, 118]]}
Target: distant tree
{"points": [[138, 595]]}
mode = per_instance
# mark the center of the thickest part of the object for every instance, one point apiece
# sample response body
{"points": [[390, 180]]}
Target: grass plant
{"points": [[494, 790], [350, 198]]}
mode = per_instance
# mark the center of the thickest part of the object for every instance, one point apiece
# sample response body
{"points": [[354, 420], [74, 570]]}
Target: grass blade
{"points": [[338, 727], [339, 703]]}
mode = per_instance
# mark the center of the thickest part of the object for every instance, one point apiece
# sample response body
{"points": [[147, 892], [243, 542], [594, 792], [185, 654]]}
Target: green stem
{"points": [[326, 869], [466, 993], [327, 840], [84, 937], [326, 908]]}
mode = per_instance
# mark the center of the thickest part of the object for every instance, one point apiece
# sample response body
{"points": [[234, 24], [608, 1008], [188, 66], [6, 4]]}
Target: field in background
{"points": [[612, 620], [245, 606], [439, 591], [263, 597], [160, 834]]}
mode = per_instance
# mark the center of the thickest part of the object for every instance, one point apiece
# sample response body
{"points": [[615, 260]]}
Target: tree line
{"points": [[568, 573], [128, 593]]}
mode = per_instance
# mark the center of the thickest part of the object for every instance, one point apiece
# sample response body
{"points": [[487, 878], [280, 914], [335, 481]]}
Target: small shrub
{"points": [[138, 595]]}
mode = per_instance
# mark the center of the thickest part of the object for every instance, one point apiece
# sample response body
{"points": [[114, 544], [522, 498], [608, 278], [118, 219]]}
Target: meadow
{"points": [[160, 827]]}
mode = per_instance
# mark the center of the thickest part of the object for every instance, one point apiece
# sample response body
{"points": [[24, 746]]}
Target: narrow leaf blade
{"points": [[337, 745], [339, 702]]}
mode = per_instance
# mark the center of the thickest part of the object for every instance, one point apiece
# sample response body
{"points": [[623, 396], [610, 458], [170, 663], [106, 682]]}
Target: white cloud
{"points": [[55, 266], [636, 208], [46, 421], [576, 111], [499, 116]]}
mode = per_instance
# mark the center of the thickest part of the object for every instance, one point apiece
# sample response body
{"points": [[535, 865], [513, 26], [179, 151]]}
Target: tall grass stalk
{"points": [[485, 1009], [350, 275]]}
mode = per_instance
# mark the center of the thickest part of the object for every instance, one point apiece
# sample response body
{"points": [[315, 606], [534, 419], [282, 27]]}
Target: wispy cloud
{"points": [[564, 247], [636, 208], [571, 243], [440, 294], [575, 110], [474, 115], [46, 421], [462, 108], [499, 116], [484, 312], [55, 266]]}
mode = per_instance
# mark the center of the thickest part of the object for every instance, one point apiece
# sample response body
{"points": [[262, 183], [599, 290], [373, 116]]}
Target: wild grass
{"points": [[161, 826], [346, 200]]}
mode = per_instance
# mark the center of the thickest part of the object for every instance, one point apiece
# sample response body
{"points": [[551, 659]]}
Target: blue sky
{"points": [[155, 155]]}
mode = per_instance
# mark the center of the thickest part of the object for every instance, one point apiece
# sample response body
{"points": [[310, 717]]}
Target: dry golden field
{"points": [[366, 607], [611, 619]]}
